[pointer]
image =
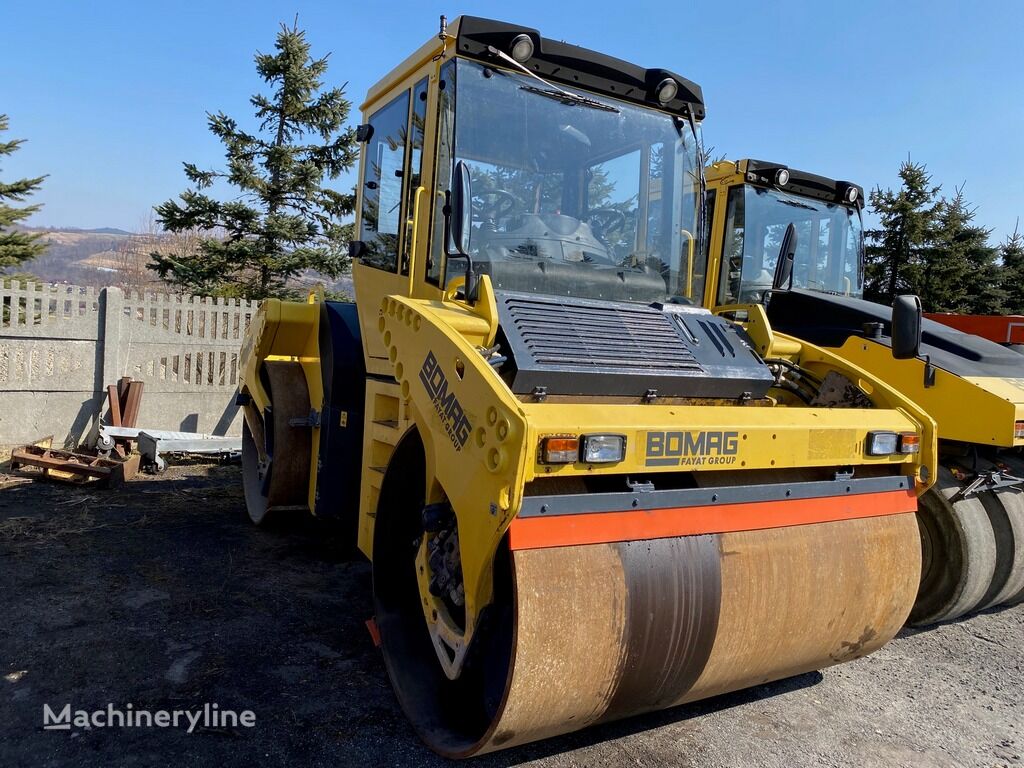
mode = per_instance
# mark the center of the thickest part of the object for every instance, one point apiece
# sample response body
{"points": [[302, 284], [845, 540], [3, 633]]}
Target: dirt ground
{"points": [[162, 595]]}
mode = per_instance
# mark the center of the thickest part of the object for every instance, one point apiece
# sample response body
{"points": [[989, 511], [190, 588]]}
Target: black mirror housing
{"points": [[784, 264], [906, 327], [462, 208], [459, 224]]}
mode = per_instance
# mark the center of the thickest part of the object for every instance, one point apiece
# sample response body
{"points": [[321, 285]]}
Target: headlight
{"points": [[782, 177], [1018, 430], [603, 449], [882, 443], [522, 48], [667, 90]]}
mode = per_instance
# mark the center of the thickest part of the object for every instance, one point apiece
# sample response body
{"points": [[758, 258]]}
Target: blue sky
{"points": [[112, 95]]}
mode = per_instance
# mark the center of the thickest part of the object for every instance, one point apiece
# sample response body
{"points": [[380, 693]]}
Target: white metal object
{"points": [[154, 442]]}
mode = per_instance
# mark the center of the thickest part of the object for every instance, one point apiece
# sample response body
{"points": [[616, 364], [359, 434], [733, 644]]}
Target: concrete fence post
{"points": [[112, 303]]}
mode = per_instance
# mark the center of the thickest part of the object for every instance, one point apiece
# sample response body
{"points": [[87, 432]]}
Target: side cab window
{"points": [[417, 128], [443, 176], [384, 166]]}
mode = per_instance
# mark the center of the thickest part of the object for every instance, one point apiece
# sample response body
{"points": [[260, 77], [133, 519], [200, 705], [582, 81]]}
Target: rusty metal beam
{"points": [[115, 405], [133, 401]]}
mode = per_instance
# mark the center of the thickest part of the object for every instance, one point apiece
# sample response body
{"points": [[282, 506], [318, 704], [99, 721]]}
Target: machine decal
{"points": [[691, 449], [447, 405]]}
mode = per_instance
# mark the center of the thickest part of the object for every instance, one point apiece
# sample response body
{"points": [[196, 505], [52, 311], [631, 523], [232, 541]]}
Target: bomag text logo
{"points": [[691, 449], [448, 407]]}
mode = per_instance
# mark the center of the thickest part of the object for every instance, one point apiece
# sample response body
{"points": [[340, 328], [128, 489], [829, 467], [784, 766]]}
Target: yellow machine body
{"points": [[557, 561], [972, 521], [980, 409]]}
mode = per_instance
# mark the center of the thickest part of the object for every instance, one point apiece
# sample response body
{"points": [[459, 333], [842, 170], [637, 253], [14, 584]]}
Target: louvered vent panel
{"points": [[610, 337]]}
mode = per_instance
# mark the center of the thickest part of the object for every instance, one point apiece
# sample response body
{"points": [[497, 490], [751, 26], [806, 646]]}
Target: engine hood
{"points": [[583, 347], [830, 321]]}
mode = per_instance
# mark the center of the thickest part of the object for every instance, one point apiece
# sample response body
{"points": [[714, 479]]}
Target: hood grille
{"points": [[562, 345], [618, 337]]}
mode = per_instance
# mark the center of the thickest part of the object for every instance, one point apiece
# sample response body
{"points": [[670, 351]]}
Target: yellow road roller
{"points": [[583, 495], [972, 521]]}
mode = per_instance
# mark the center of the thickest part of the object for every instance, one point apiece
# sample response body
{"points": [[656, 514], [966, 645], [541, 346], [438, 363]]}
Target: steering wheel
{"points": [[502, 204], [607, 221]]}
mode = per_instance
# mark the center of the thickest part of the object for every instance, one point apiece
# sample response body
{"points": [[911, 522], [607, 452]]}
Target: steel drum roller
{"points": [[602, 631]]}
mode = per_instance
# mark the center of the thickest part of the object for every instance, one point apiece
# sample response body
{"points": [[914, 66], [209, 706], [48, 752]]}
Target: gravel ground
{"points": [[162, 595]]}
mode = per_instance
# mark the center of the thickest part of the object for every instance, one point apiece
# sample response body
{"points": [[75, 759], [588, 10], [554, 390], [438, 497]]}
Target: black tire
{"points": [[958, 550]]}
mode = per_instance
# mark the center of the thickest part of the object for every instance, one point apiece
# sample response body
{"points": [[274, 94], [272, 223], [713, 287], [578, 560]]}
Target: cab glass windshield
{"points": [[587, 197], [828, 252]]}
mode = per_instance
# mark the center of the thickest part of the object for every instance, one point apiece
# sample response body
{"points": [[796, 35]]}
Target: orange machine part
{"points": [[1002, 329], [637, 525]]}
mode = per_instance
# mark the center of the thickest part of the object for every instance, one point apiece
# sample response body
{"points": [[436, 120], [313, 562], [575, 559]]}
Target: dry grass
{"points": [[65, 521]]}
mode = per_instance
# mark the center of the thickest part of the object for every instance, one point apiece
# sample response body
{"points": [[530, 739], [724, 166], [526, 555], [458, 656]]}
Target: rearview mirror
{"points": [[460, 223], [784, 265], [462, 209], [906, 327]]}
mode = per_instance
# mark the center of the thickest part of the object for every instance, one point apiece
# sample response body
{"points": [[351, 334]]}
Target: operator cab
{"points": [[584, 172], [829, 230], [590, 198]]}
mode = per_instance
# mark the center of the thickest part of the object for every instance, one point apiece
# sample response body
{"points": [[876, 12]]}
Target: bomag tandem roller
{"points": [[972, 521], [583, 496]]}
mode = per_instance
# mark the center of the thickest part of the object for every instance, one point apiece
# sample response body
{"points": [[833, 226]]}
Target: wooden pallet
{"points": [[75, 467]]}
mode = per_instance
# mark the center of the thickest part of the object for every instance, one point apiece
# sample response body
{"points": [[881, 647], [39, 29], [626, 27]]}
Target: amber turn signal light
{"points": [[559, 450]]}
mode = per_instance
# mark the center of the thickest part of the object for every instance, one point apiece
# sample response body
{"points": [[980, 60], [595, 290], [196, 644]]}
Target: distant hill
{"points": [[95, 231], [67, 248], [106, 256], [106, 231]]}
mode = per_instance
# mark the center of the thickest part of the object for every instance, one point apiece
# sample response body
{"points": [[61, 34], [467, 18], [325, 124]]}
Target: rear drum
{"points": [[283, 482]]}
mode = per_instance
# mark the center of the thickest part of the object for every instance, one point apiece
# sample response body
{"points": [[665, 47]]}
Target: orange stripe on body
{"points": [[640, 524]]}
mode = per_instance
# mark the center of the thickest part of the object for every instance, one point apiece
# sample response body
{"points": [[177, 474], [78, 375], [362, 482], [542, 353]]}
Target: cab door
{"points": [[391, 203]]}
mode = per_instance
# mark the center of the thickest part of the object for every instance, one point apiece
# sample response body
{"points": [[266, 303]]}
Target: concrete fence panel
{"points": [[61, 345]]}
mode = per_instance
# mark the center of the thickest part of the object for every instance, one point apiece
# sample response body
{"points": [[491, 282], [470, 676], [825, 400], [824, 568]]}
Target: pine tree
{"points": [[895, 252], [284, 221], [1011, 254], [971, 261], [943, 285], [16, 246]]}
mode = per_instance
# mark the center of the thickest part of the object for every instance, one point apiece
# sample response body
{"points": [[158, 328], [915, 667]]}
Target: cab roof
{"points": [[477, 38], [762, 173]]}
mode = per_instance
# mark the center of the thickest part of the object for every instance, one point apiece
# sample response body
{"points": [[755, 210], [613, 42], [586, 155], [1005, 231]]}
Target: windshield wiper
{"points": [[569, 98], [552, 91], [797, 204]]}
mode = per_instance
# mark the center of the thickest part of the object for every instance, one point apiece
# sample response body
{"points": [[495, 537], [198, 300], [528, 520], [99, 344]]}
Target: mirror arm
{"points": [[689, 264], [929, 372]]}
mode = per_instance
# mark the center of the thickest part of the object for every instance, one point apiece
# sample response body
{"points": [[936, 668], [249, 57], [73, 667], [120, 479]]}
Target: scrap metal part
{"points": [[154, 442], [75, 467]]}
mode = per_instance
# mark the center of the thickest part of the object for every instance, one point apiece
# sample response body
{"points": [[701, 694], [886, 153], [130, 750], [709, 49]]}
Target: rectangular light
{"points": [[882, 443], [603, 449], [559, 450], [910, 442], [1018, 430]]}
